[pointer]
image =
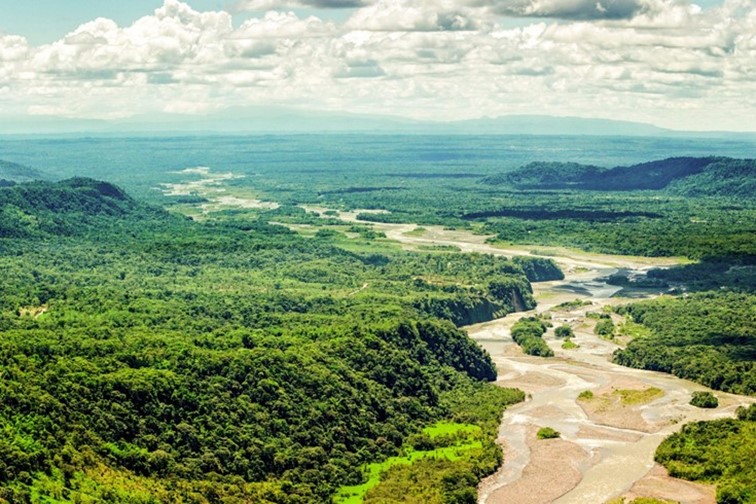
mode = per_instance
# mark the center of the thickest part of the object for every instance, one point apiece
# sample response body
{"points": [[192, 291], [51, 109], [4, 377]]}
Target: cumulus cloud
{"points": [[665, 61], [586, 10], [360, 69], [264, 5], [414, 15], [568, 9]]}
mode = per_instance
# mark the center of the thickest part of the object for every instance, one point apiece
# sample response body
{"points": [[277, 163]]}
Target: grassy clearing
{"points": [[630, 397], [467, 433], [417, 232], [633, 329], [547, 433], [451, 428], [570, 345], [438, 248]]}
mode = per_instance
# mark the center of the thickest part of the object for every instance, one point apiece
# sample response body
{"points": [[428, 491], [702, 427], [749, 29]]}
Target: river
{"points": [[606, 448]]}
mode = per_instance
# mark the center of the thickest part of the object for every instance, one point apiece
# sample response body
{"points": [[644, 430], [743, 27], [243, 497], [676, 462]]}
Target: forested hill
{"points": [[688, 176], [11, 173], [66, 208], [149, 358]]}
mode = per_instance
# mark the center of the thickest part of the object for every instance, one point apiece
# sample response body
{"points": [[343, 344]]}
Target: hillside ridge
{"points": [[702, 176]]}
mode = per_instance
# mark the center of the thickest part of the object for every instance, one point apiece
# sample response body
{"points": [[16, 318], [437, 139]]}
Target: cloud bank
{"points": [[667, 62]]}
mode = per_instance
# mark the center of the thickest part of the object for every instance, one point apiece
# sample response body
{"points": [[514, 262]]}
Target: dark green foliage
{"points": [[539, 269], [545, 175], [604, 328], [528, 332], [219, 361], [71, 207], [735, 272], [564, 331], [720, 452], [728, 177], [691, 174], [705, 337], [704, 400]]}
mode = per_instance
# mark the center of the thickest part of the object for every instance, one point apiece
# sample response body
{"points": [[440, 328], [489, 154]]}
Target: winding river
{"points": [[606, 447]]}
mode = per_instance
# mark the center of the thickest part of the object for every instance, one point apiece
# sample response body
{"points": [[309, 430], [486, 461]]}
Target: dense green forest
{"points": [[692, 207], [149, 358], [720, 452], [706, 337]]}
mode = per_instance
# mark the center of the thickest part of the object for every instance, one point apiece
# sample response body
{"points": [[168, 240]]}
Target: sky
{"points": [[680, 64]]}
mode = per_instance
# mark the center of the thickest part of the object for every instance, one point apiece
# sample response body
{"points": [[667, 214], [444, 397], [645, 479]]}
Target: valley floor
{"points": [[607, 446]]}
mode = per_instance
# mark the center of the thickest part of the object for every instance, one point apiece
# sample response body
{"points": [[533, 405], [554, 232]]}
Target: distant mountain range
{"points": [[262, 120]]}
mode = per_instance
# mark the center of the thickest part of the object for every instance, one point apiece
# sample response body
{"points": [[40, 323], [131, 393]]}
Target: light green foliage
{"points": [[631, 329], [575, 303], [450, 456], [719, 452], [568, 344], [547, 433], [629, 397]]}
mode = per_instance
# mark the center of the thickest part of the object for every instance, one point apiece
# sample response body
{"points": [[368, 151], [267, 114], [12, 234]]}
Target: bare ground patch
{"points": [[658, 484], [555, 468], [532, 381], [605, 434], [619, 404]]}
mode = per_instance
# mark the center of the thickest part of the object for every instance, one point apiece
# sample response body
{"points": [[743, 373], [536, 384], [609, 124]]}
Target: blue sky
{"points": [[680, 64], [44, 21]]}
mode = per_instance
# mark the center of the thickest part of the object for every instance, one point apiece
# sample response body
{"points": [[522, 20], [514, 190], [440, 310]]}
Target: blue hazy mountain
{"points": [[276, 120]]}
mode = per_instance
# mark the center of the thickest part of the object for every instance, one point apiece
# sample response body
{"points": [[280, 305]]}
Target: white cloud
{"points": [[413, 15], [671, 63], [265, 5]]}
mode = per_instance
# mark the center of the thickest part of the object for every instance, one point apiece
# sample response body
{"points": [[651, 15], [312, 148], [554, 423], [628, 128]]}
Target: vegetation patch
{"points": [[418, 231], [718, 452], [575, 303], [604, 328], [444, 460], [704, 337], [632, 397], [547, 433], [528, 333], [704, 399], [585, 395], [568, 344], [564, 331]]}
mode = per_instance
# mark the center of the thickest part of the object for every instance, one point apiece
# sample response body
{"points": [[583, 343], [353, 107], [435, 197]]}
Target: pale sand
{"points": [[555, 468], [606, 407], [604, 434], [659, 485], [530, 382]]}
